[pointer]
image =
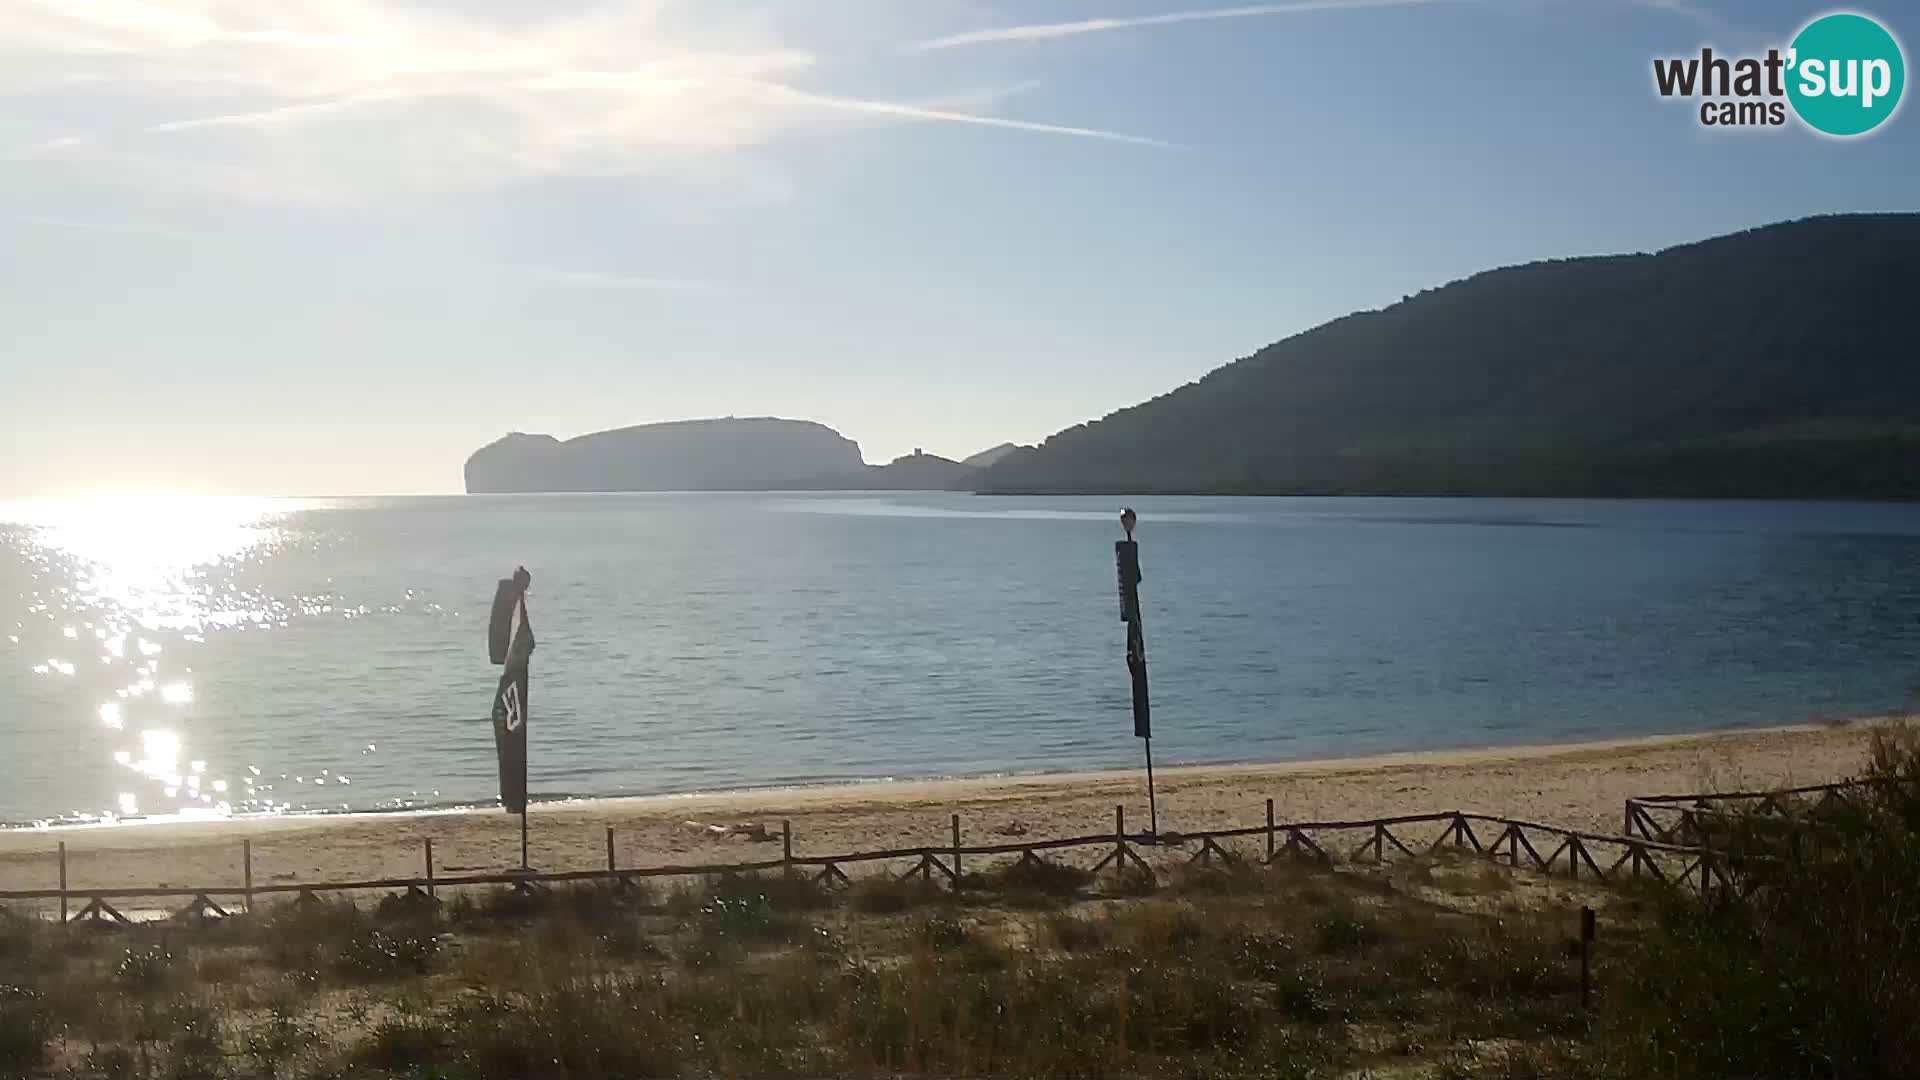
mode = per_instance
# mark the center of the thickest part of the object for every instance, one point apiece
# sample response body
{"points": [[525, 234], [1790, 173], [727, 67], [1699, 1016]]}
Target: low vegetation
{"points": [[1815, 972], [1445, 967]]}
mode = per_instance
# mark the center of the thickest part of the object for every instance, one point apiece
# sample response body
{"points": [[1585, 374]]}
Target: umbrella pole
{"points": [[1153, 806], [524, 864]]}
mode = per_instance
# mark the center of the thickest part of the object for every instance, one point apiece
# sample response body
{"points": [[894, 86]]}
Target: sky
{"points": [[253, 247]]}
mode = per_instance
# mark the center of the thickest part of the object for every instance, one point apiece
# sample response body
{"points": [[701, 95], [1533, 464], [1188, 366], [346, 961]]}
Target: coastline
{"points": [[1573, 784]]}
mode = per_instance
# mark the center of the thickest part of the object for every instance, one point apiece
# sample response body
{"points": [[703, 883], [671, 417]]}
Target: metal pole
{"points": [[1153, 810], [430, 891], [246, 862], [956, 853], [523, 841], [1269, 830], [63, 882], [786, 845], [609, 849]]}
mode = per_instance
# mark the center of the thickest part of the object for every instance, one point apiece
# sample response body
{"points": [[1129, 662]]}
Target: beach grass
{"points": [[1290, 970], [1441, 966]]}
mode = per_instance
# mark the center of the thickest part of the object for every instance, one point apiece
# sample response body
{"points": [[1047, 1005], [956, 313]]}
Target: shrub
{"points": [[1076, 933], [1344, 931], [741, 918], [1158, 928], [379, 955], [879, 894], [18, 940], [1302, 995], [601, 1028], [406, 1044], [194, 1044], [25, 1029], [115, 1062], [1039, 881], [280, 1038], [1266, 957], [782, 892], [1812, 973], [1180, 1010], [943, 935], [145, 969]]}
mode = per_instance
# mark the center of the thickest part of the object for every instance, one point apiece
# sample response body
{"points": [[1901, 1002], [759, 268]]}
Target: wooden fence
{"points": [[1502, 840], [1688, 820]]}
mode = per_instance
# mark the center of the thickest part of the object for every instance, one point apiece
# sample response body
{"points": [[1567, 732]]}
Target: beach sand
{"points": [[1577, 785]]}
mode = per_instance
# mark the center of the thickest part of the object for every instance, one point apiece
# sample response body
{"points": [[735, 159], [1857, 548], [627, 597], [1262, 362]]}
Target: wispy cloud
{"points": [[604, 280], [1685, 10], [915, 112], [1048, 31], [351, 99], [124, 228], [57, 144]]}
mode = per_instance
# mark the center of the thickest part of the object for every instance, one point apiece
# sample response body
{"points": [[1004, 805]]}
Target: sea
{"points": [[189, 658]]}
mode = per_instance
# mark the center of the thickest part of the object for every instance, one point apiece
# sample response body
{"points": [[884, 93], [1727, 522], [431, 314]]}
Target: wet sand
{"points": [[1580, 785]]}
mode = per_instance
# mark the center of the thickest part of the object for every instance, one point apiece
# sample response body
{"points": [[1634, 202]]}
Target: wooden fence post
{"points": [[956, 853], [246, 863], [610, 865], [63, 883], [1269, 830], [431, 894]]}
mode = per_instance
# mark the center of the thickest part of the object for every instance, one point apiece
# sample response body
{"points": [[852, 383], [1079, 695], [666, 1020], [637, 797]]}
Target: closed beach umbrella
{"points": [[512, 648]]}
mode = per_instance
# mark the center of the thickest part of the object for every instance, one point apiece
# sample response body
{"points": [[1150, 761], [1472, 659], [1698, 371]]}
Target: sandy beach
{"points": [[1580, 785]]}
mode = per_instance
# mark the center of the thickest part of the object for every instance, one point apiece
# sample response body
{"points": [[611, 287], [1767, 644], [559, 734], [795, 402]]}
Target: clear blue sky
{"points": [[255, 248]]}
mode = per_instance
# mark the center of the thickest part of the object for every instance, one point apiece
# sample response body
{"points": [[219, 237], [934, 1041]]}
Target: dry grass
{"points": [[1446, 966], [1441, 967], [1041, 971]]}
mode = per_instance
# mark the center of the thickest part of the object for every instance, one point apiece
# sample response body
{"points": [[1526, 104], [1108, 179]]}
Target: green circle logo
{"points": [[1845, 74]]}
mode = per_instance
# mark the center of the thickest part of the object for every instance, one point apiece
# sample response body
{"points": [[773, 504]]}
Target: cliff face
{"points": [[689, 455]]}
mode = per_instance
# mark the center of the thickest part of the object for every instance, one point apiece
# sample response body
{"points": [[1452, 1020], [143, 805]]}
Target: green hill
{"points": [[1776, 362]]}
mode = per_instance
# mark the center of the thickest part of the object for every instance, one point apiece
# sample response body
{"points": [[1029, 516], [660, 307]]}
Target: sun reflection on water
{"points": [[109, 572]]}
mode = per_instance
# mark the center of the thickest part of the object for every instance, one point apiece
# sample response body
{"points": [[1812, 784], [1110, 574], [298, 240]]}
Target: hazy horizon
{"points": [[267, 251]]}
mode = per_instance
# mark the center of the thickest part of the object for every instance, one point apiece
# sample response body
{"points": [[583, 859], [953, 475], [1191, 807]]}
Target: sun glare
{"points": [[125, 580], [135, 554]]}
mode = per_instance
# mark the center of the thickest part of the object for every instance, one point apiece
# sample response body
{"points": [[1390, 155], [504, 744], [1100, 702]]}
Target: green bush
{"points": [[19, 941], [1302, 995], [25, 1030], [145, 969], [379, 955], [1813, 972], [943, 935], [194, 1043], [1266, 957]]}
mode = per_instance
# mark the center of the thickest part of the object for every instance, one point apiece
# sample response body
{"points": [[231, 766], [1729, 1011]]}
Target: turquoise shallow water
{"points": [[238, 655]]}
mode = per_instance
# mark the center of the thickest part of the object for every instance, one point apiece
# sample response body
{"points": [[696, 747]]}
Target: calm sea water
{"points": [[241, 655]]}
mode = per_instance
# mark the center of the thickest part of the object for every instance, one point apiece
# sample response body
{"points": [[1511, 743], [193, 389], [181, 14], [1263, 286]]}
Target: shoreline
{"points": [[1577, 784], [851, 791]]}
